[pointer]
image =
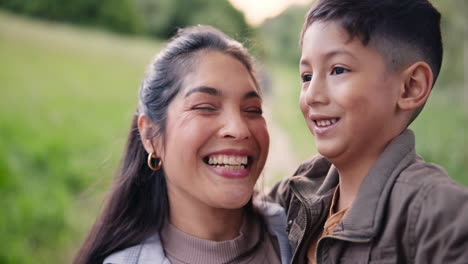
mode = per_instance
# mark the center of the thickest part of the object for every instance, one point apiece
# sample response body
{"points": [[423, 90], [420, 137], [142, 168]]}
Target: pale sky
{"points": [[256, 11]]}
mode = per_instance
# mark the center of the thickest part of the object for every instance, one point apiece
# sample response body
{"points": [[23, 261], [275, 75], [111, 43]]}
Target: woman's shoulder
{"points": [[149, 251]]}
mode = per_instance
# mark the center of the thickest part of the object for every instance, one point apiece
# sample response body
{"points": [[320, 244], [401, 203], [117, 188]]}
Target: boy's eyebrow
{"points": [[336, 52], [203, 89], [328, 55], [304, 62]]}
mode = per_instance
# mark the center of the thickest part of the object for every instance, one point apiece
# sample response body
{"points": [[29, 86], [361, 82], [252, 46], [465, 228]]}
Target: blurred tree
{"points": [[162, 18], [119, 15], [453, 29], [116, 15], [281, 35], [159, 18]]}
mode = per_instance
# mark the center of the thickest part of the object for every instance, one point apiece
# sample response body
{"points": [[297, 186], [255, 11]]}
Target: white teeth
{"points": [[228, 162], [323, 123], [229, 167]]}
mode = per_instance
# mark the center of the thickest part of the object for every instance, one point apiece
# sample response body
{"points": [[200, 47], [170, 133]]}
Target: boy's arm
{"points": [[281, 193], [441, 228]]}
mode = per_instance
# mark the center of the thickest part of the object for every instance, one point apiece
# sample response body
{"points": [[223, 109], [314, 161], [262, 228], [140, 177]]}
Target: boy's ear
{"points": [[146, 129], [417, 86]]}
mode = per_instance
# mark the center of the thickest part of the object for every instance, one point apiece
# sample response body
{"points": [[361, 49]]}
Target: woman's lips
{"points": [[229, 163], [230, 173]]}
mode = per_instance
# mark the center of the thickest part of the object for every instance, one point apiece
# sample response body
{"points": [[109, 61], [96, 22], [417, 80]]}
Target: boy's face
{"points": [[348, 98]]}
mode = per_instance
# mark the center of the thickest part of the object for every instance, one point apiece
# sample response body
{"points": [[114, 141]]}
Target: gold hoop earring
{"points": [[150, 163]]}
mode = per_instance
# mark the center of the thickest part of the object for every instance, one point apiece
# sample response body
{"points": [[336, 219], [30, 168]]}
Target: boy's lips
{"points": [[323, 124]]}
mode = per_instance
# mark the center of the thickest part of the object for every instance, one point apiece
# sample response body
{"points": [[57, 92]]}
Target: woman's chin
{"points": [[236, 198]]}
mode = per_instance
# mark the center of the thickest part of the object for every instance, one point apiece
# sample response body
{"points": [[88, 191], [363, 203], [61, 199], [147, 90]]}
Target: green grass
{"points": [[67, 96]]}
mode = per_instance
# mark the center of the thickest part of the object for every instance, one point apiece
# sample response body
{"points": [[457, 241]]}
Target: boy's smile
{"points": [[348, 97]]}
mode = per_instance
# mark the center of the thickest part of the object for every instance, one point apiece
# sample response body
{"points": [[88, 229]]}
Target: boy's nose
{"points": [[316, 92]]}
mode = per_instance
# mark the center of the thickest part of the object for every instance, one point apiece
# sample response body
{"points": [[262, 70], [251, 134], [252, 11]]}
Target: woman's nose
{"points": [[235, 126]]}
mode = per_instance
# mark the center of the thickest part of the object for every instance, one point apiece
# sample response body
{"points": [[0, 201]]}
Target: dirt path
{"points": [[282, 160]]}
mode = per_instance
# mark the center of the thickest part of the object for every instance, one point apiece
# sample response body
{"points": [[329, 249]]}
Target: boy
{"points": [[367, 69]]}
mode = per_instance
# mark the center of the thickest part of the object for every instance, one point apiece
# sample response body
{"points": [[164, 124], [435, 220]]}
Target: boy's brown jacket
{"points": [[406, 211]]}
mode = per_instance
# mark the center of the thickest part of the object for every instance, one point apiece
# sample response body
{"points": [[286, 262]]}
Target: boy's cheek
{"points": [[309, 123], [304, 109], [303, 105]]}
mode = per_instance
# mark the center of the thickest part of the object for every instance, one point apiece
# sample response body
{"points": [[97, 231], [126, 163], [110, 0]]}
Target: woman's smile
{"points": [[230, 163]]}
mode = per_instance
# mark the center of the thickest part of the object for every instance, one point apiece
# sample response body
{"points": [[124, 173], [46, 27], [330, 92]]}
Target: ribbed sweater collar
{"points": [[181, 247]]}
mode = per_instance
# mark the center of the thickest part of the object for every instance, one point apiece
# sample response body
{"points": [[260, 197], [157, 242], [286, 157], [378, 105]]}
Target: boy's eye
{"points": [[339, 70], [307, 77]]}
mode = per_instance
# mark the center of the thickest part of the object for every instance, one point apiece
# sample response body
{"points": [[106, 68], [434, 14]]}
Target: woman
{"points": [[196, 148]]}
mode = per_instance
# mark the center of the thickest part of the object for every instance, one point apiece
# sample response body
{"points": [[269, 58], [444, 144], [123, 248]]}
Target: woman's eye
{"points": [[254, 110], [204, 108], [306, 77], [339, 70]]}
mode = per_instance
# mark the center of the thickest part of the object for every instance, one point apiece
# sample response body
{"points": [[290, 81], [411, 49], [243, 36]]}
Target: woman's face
{"points": [[216, 137]]}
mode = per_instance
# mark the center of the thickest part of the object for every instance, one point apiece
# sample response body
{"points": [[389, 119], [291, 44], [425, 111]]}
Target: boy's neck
{"points": [[354, 168], [349, 187], [351, 175]]}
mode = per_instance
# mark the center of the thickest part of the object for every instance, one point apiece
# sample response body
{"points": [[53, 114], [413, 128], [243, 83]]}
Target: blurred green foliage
{"points": [[441, 133], [282, 35], [159, 18], [162, 18], [116, 15], [454, 35]]}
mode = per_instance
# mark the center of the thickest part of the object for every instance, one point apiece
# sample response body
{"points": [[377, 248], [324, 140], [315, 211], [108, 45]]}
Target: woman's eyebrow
{"points": [[252, 94], [204, 89]]}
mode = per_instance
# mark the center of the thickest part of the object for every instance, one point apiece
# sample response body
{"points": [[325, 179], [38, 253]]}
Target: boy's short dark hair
{"points": [[402, 31]]}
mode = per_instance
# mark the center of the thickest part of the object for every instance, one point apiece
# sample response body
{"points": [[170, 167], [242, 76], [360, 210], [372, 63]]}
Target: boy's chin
{"points": [[329, 152]]}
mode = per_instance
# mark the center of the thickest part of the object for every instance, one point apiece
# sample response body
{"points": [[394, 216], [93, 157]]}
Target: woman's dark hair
{"points": [[138, 203]]}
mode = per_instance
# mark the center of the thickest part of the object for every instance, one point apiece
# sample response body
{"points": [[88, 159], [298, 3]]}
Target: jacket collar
{"points": [[364, 218]]}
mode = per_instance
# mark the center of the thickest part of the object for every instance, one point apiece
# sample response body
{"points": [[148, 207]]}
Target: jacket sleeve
{"points": [[441, 224], [280, 193]]}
